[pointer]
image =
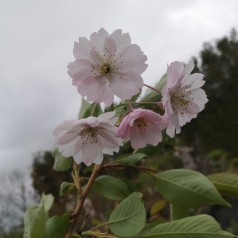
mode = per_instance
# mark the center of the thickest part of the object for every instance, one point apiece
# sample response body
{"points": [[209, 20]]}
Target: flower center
{"points": [[107, 66], [91, 134], [140, 123], [179, 101], [181, 98], [105, 69]]}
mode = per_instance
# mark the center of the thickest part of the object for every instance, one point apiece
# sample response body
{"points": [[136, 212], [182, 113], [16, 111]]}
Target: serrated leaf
{"points": [[61, 163], [132, 159], [226, 183], [89, 109], [57, 226], [187, 188], [128, 218], [201, 226], [66, 187], [111, 187]]}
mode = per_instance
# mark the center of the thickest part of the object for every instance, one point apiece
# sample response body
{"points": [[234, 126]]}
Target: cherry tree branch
{"points": [[81, 200], [119, 166]]}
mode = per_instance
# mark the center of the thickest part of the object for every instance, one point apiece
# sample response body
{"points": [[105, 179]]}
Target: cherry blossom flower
{"points": [[88, 139], [107, 65], [182, 97], [142, 127]]}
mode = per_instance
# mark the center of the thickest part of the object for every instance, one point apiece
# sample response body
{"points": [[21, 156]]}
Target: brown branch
{"points": [[81, 200], [118, 166]]}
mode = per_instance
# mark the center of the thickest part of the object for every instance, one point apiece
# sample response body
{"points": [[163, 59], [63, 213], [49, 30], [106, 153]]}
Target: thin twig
{"points": [[137, 103], [156, 90], [118, 166], [81, 200]]}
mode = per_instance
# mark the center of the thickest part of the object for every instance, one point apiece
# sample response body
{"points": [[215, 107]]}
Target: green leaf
{"points": [[111, 187], [187, 188], [34, 222], [128, 218], [162, 82], [89, 109], [121, 111], [84, 107], [135, 97], [57, 226], [47, 201], [36, 217], [201, 226], [61, 163], [179, 212], [154, 96], [66, 187], [132, 159], [226, 183]]}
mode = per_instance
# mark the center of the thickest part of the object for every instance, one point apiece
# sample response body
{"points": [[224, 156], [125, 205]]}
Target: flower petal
{"points": [[127, 86], [82, 48], [98, 38], [103, 61], [122, 40], [136, 138], [133, 58], [90, 152]]}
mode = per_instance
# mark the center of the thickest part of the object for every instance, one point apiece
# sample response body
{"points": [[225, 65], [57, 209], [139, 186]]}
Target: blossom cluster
{"points": [[106, 66]]}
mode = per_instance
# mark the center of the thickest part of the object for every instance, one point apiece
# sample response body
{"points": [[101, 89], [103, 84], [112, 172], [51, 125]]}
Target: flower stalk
{"points": [[152, 88]]}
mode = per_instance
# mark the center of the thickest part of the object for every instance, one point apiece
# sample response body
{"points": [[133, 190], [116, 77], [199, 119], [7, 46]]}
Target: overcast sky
{"points": [[36, 43]]}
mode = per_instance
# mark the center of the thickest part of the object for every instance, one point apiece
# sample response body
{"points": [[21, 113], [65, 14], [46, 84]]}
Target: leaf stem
{"points": [[102, 224]]}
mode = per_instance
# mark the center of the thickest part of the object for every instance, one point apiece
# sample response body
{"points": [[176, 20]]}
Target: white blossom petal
{"points": [[142, 127], [182, 97], [87, 139], [104, 64], [122, 39], [82, 48]]}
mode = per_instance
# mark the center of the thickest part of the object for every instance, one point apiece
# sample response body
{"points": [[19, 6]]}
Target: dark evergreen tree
{"points": [[217, 126], [46, 180]]}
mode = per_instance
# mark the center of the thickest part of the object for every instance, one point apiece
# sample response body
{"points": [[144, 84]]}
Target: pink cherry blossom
{"points": [[88, 139], [142, 127], [107, 65], [182, 96]]}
